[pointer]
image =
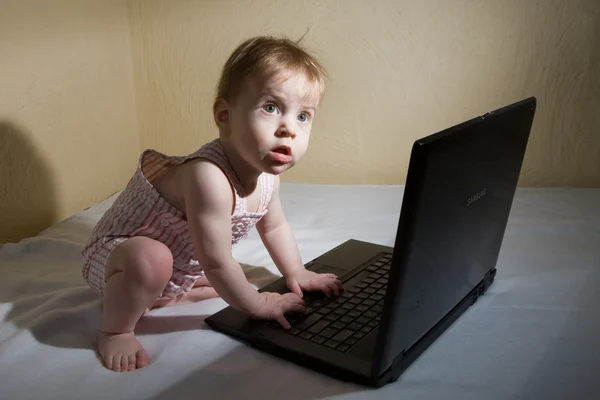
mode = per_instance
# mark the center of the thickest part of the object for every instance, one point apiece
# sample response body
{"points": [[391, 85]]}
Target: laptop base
{"points": [[249, 335], [406, 358]]}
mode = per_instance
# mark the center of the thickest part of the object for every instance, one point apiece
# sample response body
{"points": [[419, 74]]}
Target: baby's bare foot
{"points": [[121, 352]]}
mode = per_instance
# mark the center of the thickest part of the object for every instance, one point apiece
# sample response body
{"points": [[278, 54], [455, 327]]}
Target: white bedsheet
{"points": [[534, 335]]}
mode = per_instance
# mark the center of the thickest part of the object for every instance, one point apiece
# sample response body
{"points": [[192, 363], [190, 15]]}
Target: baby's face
{"points": [[271, 121]]}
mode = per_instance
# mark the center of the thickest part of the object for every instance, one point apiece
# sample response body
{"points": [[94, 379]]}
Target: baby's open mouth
{"points": [[283, 150], [282, 154]]}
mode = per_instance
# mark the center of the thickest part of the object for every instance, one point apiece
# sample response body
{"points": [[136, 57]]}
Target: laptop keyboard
{"points": [[341, 322]]}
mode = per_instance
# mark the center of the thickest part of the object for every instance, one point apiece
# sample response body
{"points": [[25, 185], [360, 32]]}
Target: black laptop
{"points": [[397, 301]]}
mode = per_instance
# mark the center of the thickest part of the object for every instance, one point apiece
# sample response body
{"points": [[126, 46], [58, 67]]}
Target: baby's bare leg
{"points": [[136, 273], [202, 290]]}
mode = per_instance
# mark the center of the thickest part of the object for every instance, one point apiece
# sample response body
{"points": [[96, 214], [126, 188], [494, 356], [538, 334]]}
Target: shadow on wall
{"points": [[28, 201]]}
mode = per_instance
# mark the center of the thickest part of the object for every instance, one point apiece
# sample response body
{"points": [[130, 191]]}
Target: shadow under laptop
{"points": [[154, 323], [247, 373], [244, 372]]}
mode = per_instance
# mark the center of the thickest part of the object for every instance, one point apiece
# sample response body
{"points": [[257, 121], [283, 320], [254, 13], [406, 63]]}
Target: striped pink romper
{"points": [[141, 211]]}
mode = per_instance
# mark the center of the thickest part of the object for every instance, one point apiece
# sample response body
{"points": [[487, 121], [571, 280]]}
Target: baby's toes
{"points": [[116, 363], [124, 363], [131, 365], [142, 358]]}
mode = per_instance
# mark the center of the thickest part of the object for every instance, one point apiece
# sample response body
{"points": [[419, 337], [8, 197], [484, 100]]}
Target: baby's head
{"points": [[266, 101]]}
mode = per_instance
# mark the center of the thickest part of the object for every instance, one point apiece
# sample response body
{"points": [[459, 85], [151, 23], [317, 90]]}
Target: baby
{"points": [[168, 237]]}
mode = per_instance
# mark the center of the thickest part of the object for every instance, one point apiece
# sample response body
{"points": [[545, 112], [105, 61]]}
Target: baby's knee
{"points": [[150, 263]]}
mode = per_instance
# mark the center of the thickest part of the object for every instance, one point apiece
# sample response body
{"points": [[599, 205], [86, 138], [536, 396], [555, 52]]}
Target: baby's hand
{"points": [[274, 305], [310, 281]]}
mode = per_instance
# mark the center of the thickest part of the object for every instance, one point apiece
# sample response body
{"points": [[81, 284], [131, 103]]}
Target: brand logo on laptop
{"points": [[476, 197]]}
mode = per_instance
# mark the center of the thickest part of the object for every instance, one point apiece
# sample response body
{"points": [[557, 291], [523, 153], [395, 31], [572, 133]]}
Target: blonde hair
{"points": [[271, 57]]}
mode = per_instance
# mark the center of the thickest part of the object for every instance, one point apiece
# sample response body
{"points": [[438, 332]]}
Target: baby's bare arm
{"points": [[208, 204], [278, 237], [279, 240]]}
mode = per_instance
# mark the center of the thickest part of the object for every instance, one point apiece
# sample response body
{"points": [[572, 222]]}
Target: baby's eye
{"points": [[270, 108], [303, 117]]}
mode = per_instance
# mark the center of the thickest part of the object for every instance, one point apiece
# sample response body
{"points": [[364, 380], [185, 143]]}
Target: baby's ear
{"points": [[221, 115]]}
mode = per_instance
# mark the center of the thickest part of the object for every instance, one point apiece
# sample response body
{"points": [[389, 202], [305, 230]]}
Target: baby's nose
{"points": [[283, 131]]}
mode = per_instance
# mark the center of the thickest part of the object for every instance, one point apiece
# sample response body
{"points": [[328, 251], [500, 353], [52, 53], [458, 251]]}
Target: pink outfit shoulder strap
{"points": [[153, 163]]}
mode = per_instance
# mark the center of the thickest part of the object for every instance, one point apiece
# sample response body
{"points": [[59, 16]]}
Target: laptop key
{"points": [[328, 332], [311, 309], [305, 335], [355, 326], [361, 308], [369, 290], [330, 317], [348, 306], [370, 314], [359, 335], [355, 300], [343, 335], [336, 301], [368, 280], [295, 318], [337, 325], [370, 302], [343, 347], [312, 306], [375, 275], [351, 341], [362, 320], [366, 329], [372, 268], [362, 295], [319, 326], [373, 323], [308, 321], [318, 339], [327, 309], [332, 343], [354, 314], [339, 312], [346, 319]]}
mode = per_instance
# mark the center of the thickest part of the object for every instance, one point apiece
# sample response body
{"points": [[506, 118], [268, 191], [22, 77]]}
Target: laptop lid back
{"points": [[457, 200]]}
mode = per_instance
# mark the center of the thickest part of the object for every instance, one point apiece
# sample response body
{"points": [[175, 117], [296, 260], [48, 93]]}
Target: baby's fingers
{"points": [[295, 308], [292, 298], [288, 309], [318, 284], [330, 284], [336, 287], [324, 287], [282, 321]]}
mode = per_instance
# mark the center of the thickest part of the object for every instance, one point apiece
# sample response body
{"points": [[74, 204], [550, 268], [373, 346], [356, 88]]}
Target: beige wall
{"points": [[68, 131], [399, 70], [76, 77]]}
